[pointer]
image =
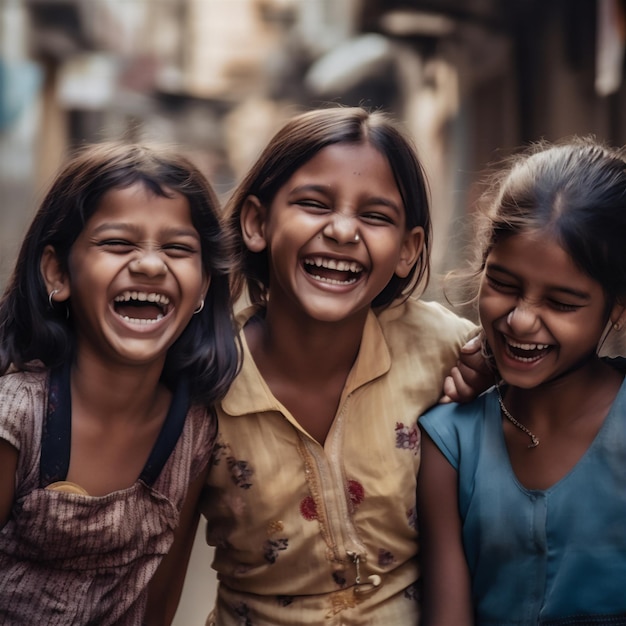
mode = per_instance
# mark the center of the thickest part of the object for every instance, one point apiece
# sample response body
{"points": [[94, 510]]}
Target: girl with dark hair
{"points": [[521, 492], [311, 495], [116, 340]]}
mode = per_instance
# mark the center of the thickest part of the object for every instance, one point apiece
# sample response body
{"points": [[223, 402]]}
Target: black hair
{"points": [[34, 334], [296, 143], [574, 190]]}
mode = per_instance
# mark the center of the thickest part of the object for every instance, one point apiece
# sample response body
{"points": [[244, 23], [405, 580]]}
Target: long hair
{"points": [[34, 334], [296, 143]]}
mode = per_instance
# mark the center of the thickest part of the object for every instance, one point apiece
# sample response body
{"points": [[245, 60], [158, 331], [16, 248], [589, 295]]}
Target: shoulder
{"points": [[454, 426], [22, 396], [428, 318]]}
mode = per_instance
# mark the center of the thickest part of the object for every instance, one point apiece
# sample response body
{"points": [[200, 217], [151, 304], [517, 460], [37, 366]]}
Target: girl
{"points": [[115, 321], [521, 492], [311, 498]]}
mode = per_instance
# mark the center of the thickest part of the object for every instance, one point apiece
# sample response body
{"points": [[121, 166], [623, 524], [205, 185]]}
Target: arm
{"points": [[8, 468], [445, 575], [167, 584], [470, 377]]}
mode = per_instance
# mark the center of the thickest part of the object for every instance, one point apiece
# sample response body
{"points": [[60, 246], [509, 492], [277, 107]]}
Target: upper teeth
{"points": [[142, 296], [333, 264], [529, 346]]}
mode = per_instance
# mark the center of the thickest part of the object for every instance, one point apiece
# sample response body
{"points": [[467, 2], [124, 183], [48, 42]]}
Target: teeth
{"points": [[333, 264], [142, 296], [332, 281], [529, 346], [141, 322]]}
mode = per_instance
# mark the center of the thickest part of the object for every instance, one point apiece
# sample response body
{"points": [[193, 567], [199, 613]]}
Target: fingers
{"points": [[473, 345], [457, 386]]}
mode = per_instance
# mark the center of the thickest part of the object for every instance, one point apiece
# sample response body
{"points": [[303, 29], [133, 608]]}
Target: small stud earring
{"points": [[617, 326], [200, 307], [357, 238]]}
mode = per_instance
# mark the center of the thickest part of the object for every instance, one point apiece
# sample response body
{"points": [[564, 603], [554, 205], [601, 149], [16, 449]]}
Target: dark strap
{"points": [[169, 435], [56, 438], [57, 431]]}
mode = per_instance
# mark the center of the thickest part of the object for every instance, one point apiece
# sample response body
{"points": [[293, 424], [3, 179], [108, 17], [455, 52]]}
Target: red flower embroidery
{"points": [[308, 510], [356, 491]]}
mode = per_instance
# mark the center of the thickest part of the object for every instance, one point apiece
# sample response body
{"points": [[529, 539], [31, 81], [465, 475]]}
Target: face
{"points": [[134, 278], [335, 234], [542, 315]]}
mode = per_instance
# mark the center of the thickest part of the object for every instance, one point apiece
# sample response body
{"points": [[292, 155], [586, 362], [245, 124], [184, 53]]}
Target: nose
{"points": [[149, 264], [523, 320], [342, 228]]}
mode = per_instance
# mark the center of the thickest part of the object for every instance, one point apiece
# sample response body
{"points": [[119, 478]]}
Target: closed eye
{"points": [[499, 285], [119, 246]]}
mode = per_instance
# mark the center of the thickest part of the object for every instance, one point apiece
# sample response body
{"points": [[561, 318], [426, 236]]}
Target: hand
{"points": [[471, 375]]}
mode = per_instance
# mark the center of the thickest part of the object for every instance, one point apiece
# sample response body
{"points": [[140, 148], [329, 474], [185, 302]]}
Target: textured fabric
{"points": [[69, 559], [554, 556], [285, 513]]}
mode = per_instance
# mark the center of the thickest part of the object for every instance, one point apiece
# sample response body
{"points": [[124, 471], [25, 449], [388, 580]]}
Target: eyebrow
{"points": [[326, 188], [123, 227], [583, 295]]}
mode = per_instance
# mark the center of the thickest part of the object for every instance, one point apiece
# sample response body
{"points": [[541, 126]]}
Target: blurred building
{"points": [[470, 79]]}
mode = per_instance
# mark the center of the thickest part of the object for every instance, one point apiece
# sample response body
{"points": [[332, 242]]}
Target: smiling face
{"points": [[134, 276], [541, 314], [335, 234]]}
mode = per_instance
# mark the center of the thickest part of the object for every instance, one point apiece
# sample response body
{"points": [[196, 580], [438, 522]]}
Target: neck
{"points": [[565, 397], [303, 347], [124, 394]]}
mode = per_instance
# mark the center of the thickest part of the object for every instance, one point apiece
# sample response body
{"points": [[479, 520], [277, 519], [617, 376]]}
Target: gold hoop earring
{"points": [[200, 307], [617, 326]]}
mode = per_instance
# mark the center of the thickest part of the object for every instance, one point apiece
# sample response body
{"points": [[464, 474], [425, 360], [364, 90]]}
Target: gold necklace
{"points": [[534, 441]]}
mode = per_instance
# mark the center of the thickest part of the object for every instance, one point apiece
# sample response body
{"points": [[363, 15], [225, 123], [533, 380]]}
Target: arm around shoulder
{"points": [[446, 594]]}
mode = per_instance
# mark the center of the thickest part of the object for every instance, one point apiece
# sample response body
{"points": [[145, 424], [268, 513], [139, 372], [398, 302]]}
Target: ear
{"points": [[253, 221], [53, 274], [412, 248], [618, 316]]}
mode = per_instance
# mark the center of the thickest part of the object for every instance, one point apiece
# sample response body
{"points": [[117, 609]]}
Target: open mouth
{"points": [[333, 271], [140, 307], [526, 352]]}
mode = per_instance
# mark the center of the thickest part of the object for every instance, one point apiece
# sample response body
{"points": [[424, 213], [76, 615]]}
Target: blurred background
{"points": [[471, 80]]}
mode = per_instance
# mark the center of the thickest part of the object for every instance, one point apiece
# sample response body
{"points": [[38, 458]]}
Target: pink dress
{"points": [[68, 558]]}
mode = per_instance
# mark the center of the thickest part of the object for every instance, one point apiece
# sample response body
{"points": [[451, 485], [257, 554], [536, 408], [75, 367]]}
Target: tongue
{"points": [[139, 310]]}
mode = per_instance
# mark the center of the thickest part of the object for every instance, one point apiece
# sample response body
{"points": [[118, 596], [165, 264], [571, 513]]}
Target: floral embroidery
{"points": [[411, 516], [275, 527], [218, 450], [407, 438], [340, 578], [356, 493], [412, 592], [272, 547], [243, 612], [308, 510], [385, 558], [341, 600], [240, 472]]}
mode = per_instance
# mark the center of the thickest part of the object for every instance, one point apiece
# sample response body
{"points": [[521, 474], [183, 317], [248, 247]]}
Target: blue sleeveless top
{"points": [[549, 557]]}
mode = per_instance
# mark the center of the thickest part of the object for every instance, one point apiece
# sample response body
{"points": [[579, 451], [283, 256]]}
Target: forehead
{"points": [[540, 258], [345, 163]]}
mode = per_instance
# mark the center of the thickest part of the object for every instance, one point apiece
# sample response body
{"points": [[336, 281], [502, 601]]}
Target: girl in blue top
{"points": [[521, 492]]}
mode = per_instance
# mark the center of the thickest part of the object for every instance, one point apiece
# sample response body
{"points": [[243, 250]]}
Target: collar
{"points": [[250, 394]]}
